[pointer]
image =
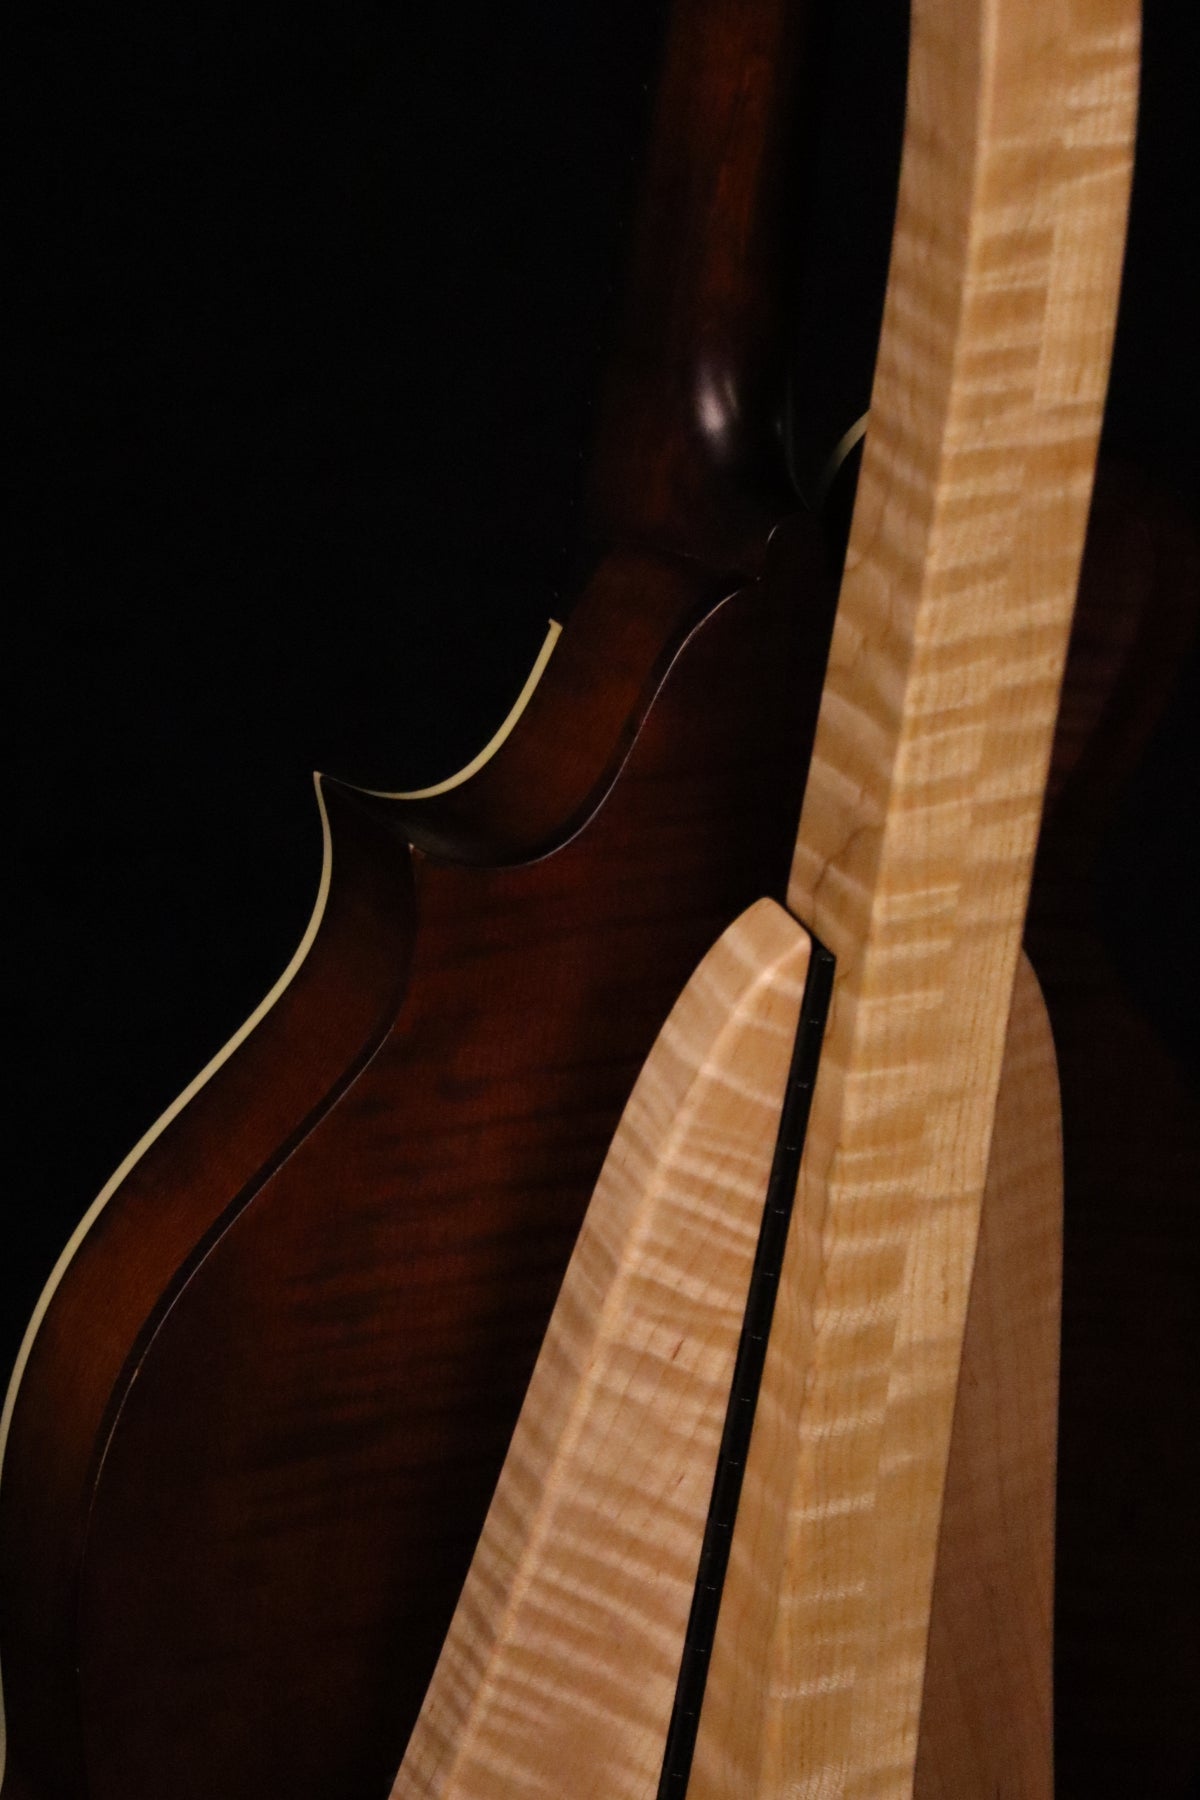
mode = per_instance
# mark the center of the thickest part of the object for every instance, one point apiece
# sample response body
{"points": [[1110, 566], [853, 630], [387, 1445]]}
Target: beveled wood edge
{"points": [[913, 863], [499, 737], [559, 1671], [548, 777]]}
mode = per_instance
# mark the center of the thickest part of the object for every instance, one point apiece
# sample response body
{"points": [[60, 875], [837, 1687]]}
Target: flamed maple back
{"points": [[258, 1419]]}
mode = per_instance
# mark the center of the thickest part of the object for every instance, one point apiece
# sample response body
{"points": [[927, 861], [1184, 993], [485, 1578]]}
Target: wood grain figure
{"points": [[559, 1672], [913, 864], [259, 1422], [255, 1436]]}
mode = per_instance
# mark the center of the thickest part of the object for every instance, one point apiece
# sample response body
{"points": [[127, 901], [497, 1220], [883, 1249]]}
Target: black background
{"points": [[309, 318]]}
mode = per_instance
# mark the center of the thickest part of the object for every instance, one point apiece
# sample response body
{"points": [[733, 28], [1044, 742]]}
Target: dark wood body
{"points": [[261, 1423], [260, 1427]]}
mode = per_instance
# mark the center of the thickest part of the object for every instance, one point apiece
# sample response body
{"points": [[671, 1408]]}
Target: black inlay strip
{"points": [[747, 1375]]}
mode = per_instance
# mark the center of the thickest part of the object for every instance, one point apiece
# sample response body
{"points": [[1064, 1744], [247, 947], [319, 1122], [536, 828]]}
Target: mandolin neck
{"points": [[689, 457]]}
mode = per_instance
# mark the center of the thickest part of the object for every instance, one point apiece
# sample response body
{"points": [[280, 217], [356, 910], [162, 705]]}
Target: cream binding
{"points": [[228, 1049]]}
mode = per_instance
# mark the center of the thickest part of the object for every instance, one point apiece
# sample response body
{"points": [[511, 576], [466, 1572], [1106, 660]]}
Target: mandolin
{"points": [[261, 1407], [233, 1556]]}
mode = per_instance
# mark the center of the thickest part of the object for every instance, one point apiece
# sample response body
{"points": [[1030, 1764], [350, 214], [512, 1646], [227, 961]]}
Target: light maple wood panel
{"points": [[559, 1672], [913, 866], [986, 1716]]}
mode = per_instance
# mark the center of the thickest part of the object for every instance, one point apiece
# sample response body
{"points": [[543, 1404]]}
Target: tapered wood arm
{"points": [[913, 862]]}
